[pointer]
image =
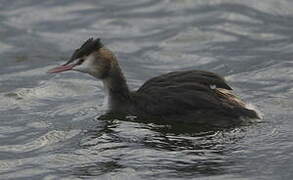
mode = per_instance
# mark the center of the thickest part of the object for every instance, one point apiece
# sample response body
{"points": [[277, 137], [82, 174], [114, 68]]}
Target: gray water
{"points": [[48, 128]]}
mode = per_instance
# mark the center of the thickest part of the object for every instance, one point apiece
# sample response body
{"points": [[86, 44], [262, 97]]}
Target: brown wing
{"points": [[188, 91], [197, 77], [178, 99]]}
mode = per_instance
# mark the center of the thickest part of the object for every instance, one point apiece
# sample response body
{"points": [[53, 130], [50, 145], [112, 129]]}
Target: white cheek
{"points": [[86, 65]]}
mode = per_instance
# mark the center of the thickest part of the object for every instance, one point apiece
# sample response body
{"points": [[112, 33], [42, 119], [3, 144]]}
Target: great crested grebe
{"points": [[193, 96]]}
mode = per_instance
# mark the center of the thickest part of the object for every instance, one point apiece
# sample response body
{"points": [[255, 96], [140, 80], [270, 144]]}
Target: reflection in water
{"points": [[156, 149], [96, 169], [47, 127]]}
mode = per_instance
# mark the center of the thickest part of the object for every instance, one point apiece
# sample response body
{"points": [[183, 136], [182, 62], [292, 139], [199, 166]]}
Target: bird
{"points": [[184, 96]]}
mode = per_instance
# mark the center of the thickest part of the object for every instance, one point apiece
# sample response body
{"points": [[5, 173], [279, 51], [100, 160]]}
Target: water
{"points": [[47, 122]]}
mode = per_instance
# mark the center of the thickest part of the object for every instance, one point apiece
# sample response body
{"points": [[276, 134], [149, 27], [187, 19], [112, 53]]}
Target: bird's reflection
{"points": [[178, 149], [96, 169]]}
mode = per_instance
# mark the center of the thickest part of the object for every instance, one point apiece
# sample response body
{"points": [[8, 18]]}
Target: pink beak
{"points": [[61, 68]]}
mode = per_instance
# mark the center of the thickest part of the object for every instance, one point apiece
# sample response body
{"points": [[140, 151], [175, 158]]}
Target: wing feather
{"points": [[178, 99], [199, 77]]}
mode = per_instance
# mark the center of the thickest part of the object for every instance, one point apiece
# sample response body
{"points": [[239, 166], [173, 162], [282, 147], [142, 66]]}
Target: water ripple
{"points": [[48, 127]]}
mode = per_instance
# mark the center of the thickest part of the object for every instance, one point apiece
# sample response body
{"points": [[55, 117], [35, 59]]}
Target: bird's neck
{"points": [[116, 89]]}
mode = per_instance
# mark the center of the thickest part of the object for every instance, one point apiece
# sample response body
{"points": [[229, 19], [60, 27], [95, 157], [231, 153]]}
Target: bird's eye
{"points": [[80, 61]]}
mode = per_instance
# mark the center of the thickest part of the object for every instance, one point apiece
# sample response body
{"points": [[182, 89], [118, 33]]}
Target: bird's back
{"points": [[204, 78], [189, 96]]}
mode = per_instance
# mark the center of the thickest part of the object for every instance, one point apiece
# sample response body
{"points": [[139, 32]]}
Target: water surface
{"points": [[47, 122]]}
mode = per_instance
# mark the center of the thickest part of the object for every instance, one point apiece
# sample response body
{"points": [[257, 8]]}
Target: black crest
{"points": [[85, 49]]}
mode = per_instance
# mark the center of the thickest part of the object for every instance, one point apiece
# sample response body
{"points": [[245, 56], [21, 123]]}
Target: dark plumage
{"points": [[85, 49], [198, 97], [187, 96], [200, 77]]}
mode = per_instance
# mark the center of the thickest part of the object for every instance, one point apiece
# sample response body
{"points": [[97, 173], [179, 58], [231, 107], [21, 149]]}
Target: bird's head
{"points": [[92, 58]]}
